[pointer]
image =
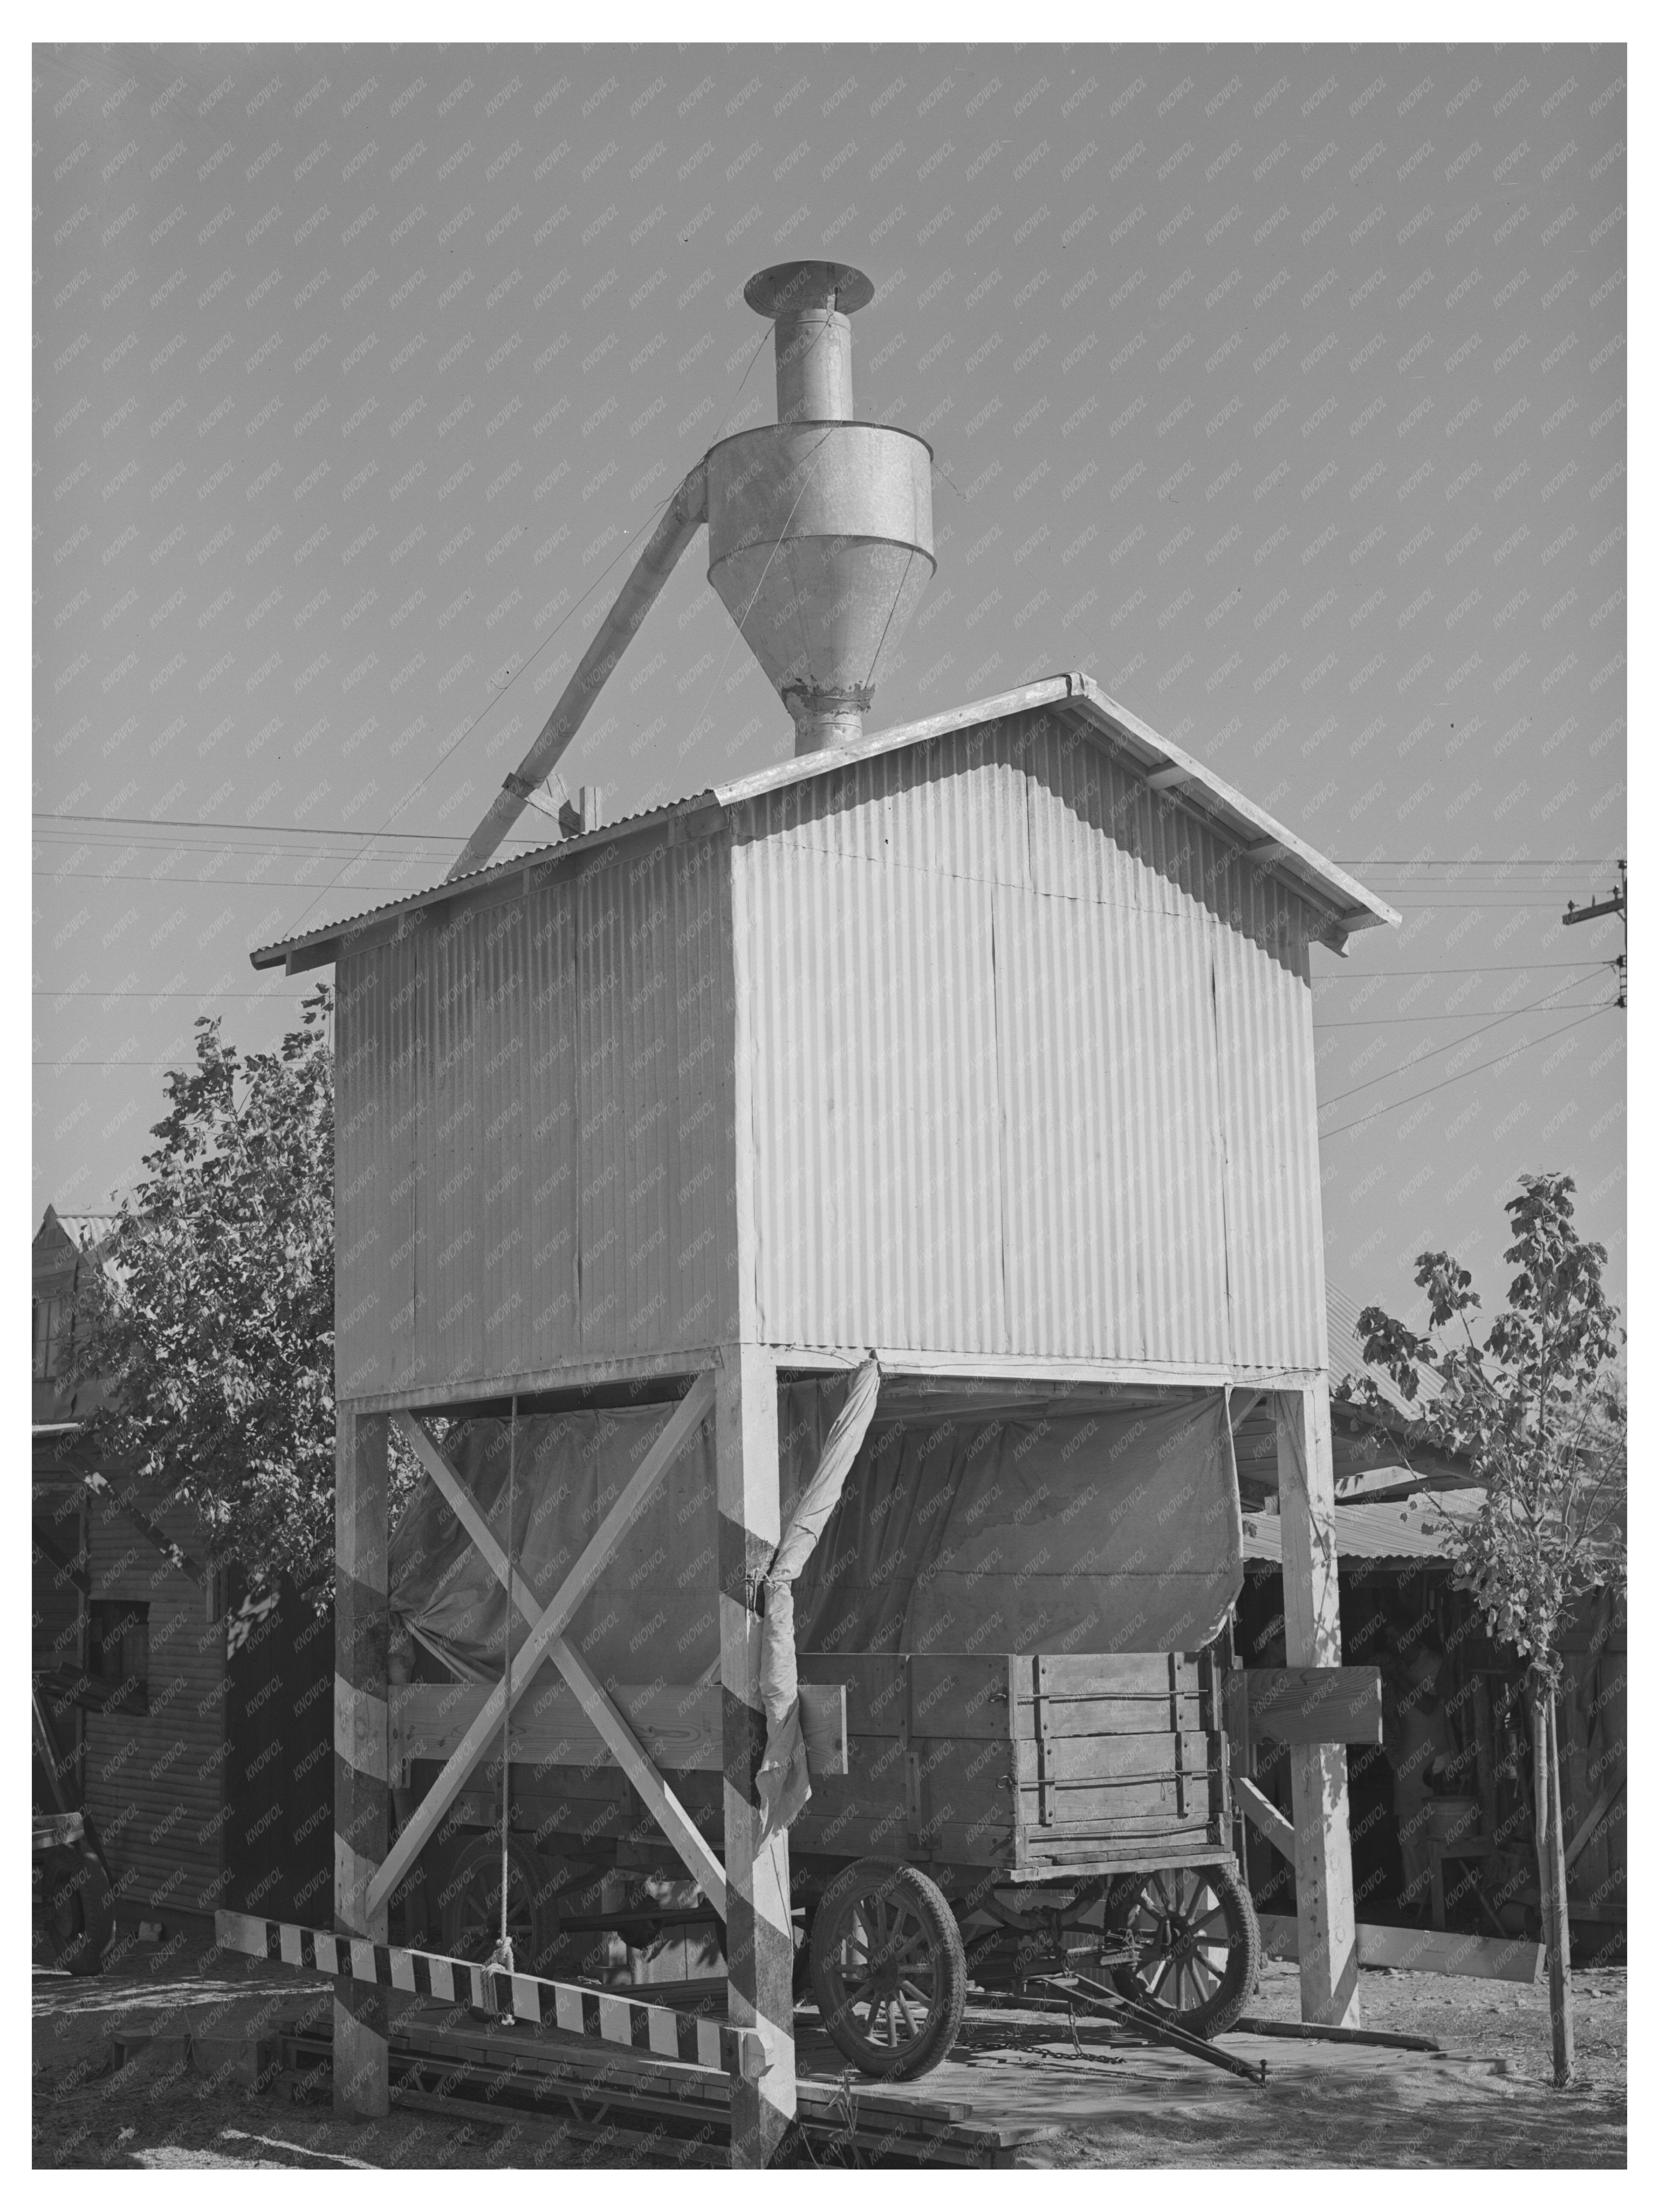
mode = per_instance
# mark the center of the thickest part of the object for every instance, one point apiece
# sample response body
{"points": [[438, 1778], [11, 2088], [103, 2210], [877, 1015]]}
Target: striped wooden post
{"points": [[759, 1946], [1328, 1947], [361, 2082]]}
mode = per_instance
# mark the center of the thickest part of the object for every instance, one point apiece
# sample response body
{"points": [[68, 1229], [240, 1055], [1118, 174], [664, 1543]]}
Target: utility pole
{"points": [[1616, 901]]}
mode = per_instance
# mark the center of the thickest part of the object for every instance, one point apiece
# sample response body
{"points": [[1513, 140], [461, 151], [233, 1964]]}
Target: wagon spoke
{"points": [[1203, 1964], [1165, 1966]]}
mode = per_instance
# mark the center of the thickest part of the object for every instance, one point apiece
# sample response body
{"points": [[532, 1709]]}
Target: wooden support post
{"points": [[361, 2086], [1327, 1949], [759, 1941]]}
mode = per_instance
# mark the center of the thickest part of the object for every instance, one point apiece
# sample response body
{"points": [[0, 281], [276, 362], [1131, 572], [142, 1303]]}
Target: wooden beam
{"points": [[574, 2006], [595, 1700], [1168, 779], [1319, 1772], [1305, 1704], [681, 1425], [1420, 1951], [361, 1620], [1261, 1813], [760, 1947]]}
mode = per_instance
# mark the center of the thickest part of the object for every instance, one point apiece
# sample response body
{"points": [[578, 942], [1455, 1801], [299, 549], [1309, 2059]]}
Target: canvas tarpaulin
{"points": [[1103, 1521]]}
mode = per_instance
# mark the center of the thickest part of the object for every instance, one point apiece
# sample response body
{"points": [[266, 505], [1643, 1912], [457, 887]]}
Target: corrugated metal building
{"points": [[986, 1042], [984, 1045]]}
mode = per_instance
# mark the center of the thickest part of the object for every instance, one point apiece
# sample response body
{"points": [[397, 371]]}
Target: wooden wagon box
{"points": [[1046, 1763], [1049, 1764]]}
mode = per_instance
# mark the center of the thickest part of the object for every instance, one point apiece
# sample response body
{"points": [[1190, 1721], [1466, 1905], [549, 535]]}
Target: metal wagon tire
{"points": [[889, 1971], [1197, 1943], [75, 1917]]}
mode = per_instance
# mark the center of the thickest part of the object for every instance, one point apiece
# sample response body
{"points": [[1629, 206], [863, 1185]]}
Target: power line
{"points": [[1395, 1104], [273, 829], [1480, 968], [1372, 1080], [1406, 1021]]}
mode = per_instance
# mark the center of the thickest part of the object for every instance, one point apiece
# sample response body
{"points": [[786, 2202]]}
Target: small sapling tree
{"points": [[1537, 1406]]}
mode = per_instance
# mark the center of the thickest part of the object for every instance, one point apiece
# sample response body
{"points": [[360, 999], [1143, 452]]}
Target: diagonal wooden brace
{"points": [[595, 1699], [687, 1416]]}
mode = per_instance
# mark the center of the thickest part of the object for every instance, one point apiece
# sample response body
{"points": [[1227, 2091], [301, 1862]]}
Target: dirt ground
{"points": [[1485, 2102]]}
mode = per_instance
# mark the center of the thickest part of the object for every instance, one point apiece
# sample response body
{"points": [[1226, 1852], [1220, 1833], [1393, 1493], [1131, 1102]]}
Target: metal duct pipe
{"points": [[680, 521]]}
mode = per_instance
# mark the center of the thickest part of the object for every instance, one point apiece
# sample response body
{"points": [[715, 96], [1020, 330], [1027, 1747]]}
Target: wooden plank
{"points": [[597, 1708], [1126, 1716], [875, 1685], [1305, 1704], [1114, 1673], [1072, 1855], [1088, 1758], [1071, 1802], [959, 1694], [574, 2006], [1421, 1951], [681, 1423], [823, 1728], [678, 1723]]}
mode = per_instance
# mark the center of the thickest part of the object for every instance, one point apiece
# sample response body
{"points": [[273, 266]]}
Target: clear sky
{"points": [[1282, 389]]}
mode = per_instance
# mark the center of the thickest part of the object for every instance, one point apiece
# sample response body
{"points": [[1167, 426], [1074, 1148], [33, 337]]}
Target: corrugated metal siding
{"points": [[154, 1781], [653, 1030], [879, 1194], [529, 1139], [1031, 1065]]}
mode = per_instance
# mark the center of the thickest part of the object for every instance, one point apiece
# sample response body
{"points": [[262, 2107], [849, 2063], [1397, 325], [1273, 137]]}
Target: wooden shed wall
{"points": [[533, 1125], [1033, 1064], [154, 1781]]}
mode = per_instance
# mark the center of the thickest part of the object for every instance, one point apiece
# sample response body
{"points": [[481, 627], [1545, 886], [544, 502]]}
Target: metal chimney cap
{"points": [[792, 288]]}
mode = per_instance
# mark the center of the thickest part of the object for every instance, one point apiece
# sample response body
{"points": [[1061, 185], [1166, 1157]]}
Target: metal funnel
{"points": [[820, 527]]}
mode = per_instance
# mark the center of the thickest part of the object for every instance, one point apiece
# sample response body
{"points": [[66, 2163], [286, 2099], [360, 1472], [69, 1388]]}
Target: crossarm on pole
{"points": [[687, 1416]]}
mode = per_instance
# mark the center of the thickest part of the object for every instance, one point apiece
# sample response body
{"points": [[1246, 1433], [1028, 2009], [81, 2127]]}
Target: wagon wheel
{"points": [[888, 1969], [1197, 1944], [472, 1906], [75, 1915]]}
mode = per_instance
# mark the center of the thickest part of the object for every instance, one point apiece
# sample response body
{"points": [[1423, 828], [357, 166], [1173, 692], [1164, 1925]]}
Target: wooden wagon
{"points": [[991, 1817]]}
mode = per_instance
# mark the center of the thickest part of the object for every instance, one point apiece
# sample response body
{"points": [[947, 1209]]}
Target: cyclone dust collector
{"points": [[820, 540]]}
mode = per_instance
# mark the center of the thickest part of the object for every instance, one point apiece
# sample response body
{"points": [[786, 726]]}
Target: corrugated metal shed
{"points": [[996, 1034]]}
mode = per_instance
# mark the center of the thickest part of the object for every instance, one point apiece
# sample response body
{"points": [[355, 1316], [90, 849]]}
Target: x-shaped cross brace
{"points": [[545, 1641]]}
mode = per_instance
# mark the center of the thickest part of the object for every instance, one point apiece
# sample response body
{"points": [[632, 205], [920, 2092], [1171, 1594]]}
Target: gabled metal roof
{"points": [[1186, 782]]}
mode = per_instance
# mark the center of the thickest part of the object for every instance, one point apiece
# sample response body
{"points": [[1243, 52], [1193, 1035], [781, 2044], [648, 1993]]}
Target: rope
{"points": [[502, 1954]]}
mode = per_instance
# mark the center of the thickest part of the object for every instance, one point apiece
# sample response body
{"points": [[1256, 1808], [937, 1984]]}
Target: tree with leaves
{"points": [[1537, 1405], [210, 1324]]}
